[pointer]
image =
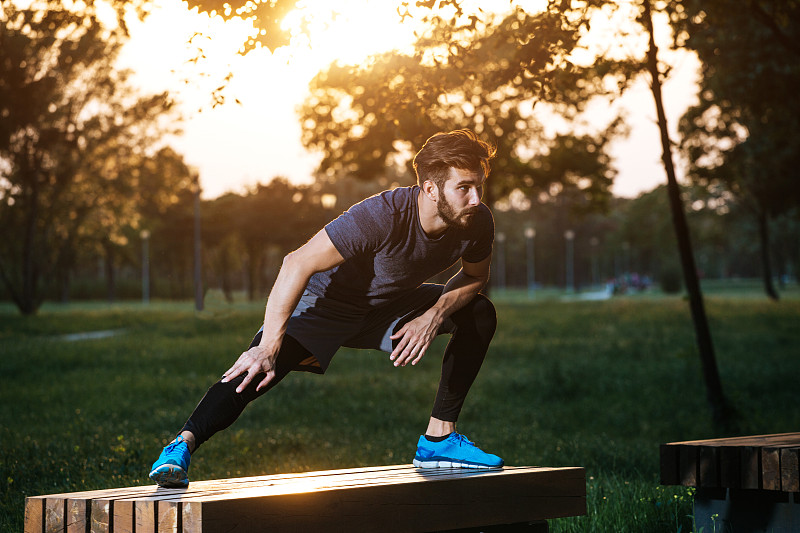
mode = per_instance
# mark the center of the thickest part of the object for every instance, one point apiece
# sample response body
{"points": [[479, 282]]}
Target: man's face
{"points": [[460, 197]]}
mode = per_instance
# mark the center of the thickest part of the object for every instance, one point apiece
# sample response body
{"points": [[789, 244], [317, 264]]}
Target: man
{"points": [[360, 282]]}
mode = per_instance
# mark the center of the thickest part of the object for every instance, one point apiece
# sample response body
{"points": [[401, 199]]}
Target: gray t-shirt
{"points": [[386, 252]]}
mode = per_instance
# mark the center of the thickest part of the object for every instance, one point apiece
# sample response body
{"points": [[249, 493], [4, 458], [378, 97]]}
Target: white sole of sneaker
{"points": [[449, 464], [170, 476]]}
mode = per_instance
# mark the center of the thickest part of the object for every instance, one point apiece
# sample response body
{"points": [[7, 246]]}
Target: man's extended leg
{"points": [[218, 409], [441, 446]]}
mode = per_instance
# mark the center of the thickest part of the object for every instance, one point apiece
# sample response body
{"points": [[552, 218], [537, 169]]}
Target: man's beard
{"points": [[453, 219]]}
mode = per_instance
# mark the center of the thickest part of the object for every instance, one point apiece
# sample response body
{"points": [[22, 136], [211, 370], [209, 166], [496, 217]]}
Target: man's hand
{"points": [[415, 338], [256, 360]]}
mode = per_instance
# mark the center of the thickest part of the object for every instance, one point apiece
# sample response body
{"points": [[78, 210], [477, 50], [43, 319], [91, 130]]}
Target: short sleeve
{"points": [[358, 230]]}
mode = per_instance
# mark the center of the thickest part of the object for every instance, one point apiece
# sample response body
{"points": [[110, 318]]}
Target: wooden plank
{"points": [[407, 475], [790, 470], [730, 468], [669, 465], [34, 514], [687, 465], [168, 517], [101, 513], [192, 517], [750, 440], [78, 515], [54, 516], [771, 468], [124, 517], [708, 469], [145, 511], [442, 504], [750, 464]]}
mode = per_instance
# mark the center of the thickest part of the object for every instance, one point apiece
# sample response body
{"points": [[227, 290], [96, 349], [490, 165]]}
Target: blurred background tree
{"points": [[522, 78], [71, 135], [740, 138]]}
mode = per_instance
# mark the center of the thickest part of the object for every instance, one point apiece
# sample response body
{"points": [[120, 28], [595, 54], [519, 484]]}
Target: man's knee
{"points": [[479, 314]]}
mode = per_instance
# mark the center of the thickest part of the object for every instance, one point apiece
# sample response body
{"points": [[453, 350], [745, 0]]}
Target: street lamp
{"points": [[594, 241], [501, 260], [569, 235], [145, 235], [530, 235]]}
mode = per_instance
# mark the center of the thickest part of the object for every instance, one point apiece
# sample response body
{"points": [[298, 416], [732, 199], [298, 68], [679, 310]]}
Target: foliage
{"points": [[740, 138], [595, 384], [72, 134], [266, 16], [483, 72]]}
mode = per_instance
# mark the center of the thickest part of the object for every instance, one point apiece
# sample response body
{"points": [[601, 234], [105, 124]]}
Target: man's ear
{"points": [[430, 190]]}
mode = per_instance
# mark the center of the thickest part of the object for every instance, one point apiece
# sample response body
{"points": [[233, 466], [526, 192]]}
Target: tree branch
{"points": [[784, 40]]}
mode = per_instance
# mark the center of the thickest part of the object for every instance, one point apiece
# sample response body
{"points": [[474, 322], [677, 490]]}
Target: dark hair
{"points": [[459, 149]]}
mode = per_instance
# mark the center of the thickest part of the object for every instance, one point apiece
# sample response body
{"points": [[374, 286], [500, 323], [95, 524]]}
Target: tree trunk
{"points": [[719, 406], [253, 269], [110, 271], [28, 300], [766, 264]]}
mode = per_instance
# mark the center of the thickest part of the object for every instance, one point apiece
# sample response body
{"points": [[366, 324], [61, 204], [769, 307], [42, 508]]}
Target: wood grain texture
{"points": [[392, 498], [790, 470], [758, 462], [34, 514]]}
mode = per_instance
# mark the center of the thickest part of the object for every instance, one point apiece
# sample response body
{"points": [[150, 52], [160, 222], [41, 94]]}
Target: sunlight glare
{"points": [[347, 32]]}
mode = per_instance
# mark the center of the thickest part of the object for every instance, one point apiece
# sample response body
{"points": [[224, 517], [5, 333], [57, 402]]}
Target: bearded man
{"points": [[361, 282]]}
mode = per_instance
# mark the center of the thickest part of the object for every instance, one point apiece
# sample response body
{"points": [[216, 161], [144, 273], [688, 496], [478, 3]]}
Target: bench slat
{"points": [[34, 514], [790, 469]]}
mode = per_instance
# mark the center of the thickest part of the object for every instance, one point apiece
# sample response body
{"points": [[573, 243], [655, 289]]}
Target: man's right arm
{"points": [[317, 255]]}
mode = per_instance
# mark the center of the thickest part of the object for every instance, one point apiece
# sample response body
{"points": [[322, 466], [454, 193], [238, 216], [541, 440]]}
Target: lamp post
{"points": [[501, 260], [569, 235], [530, 235], [198, 273], [145, 235], [594, 241]]}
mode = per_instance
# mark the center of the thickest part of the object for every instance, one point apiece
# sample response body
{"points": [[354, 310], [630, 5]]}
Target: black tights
{"points": [[475, 326]]}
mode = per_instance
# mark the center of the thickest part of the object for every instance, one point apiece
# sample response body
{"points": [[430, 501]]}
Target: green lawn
{"points": [[594, 384]]}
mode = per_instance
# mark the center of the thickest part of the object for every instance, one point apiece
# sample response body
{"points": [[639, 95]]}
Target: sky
{"points": [[237, 145]]}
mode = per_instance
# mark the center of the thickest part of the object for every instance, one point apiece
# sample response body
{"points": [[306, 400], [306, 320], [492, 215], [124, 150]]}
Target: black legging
{"points": [[463, 357]]}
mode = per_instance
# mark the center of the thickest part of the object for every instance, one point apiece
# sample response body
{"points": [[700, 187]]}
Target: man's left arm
{"points": [[416, 335]]}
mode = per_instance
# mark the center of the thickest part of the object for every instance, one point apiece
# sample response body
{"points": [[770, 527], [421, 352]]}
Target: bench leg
{"points": [[524, 527], [755, 511]]}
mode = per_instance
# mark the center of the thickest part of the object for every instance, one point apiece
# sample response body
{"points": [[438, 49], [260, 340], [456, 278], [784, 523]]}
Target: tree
{"points": [[716, 397], [70, 122], [270, 221], [489, 76], [266, 16], [741, 134]]}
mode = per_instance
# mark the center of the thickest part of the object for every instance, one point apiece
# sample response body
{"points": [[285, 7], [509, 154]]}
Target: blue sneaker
{"points": [[456, 451], [171, 470]]}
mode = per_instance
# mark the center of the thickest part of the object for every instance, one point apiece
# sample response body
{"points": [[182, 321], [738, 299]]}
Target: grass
{"points": [[595, 384]]}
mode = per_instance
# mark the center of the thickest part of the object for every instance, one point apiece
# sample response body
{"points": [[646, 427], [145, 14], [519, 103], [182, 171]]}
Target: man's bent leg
{"points": [[475, 326], [441, 446]]}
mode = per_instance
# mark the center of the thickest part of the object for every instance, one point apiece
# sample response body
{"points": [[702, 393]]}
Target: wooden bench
{"points": [[743, 483], [388, 498]]}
